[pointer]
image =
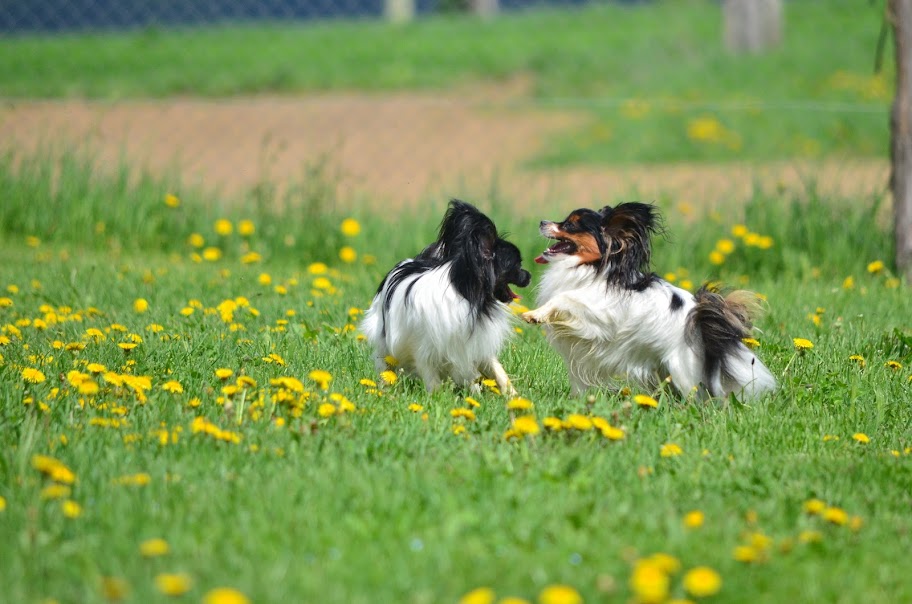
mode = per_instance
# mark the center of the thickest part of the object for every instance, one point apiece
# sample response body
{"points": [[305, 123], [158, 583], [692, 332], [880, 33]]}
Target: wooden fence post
{"points": [[399, 11], [485, 8], [752, 26], [900, 15]]}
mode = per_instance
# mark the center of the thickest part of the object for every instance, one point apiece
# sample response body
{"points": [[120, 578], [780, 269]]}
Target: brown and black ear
{"points": [[632, 217]]}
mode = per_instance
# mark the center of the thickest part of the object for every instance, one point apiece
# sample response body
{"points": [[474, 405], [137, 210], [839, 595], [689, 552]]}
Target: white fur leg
{"points": [[493, 369]]}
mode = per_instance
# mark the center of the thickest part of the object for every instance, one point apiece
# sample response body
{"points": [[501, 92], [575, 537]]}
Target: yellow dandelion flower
{"points": [[390, 360], [702, 581], [519, 404], [579, 422], [765, 242], [645, 401], [321, 377], [32, 375], [860, 360], [71, 509], [463, 412], [693, 519], [893, 365], [739, 230], [835, 515], [173, 386], [53, 469], [473, 404], [649, 583], [875, 267], [348, 254], [725, 246], [459, 429], [264, 279], [196, 240], [479, 595], [670, 450], [246, 228], [751, 343], [861, 437], [526, 425], [415, 408], [140, 305], [350, 227], [88, 388], [686, 284], [251, 258], [173, 584], [326, 410], [317, 268], [368, 383], [2, 503], [814, 506], [153, 548], [223, 227], [32, 241], [559, 594], [802, 344], [553, 423], [223, 373], [211, 254], [389, 377], [745, 553], [172, 200], [612, 433], [848, 282], [855, 523], [225, 595], [716, 257]]}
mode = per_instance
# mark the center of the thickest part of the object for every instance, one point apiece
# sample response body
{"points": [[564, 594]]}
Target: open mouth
{"points": [[561, 246], [505, 294]]}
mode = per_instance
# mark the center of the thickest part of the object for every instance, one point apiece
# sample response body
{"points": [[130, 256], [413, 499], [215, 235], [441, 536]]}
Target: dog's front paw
{"points": [[533, 316]]}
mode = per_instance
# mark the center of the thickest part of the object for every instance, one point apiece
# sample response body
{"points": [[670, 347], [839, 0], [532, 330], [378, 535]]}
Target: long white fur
{"points": [[608, 335], [434, 336]]}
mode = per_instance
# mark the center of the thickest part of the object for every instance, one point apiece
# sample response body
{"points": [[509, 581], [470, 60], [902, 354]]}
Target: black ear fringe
{"points": [[628, 229]]}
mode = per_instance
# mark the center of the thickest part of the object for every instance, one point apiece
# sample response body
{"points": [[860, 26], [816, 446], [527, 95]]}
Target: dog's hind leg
{"points": [[494, 370]]}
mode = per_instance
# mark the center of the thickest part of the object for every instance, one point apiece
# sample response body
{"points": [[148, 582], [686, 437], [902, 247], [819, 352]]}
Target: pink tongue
{"points": [[541, 260], [515, 295]]}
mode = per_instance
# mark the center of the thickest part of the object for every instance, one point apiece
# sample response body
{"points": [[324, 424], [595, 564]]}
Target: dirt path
{"points": [[391, 149]]}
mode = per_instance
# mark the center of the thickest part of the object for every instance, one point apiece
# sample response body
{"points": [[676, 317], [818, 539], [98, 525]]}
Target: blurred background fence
{"points": [[547, 100], [80, 15]]}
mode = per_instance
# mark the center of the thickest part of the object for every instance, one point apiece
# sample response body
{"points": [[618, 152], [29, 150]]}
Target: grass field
{"points": [[133, 469], [655, 81]]}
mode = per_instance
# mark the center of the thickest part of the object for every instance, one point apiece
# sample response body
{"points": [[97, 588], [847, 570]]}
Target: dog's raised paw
{"points": [[530, 316]]}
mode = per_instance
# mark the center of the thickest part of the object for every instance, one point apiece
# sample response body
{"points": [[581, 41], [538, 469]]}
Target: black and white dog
{"points": [[443, 314], [612, 319]]}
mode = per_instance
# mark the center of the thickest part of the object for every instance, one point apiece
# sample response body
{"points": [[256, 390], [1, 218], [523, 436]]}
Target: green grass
{"points": [[642, 75], [383, 505]]}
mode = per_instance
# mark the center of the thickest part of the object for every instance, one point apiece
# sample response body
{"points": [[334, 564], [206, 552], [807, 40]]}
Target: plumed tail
{"points": [[717, 325]]}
